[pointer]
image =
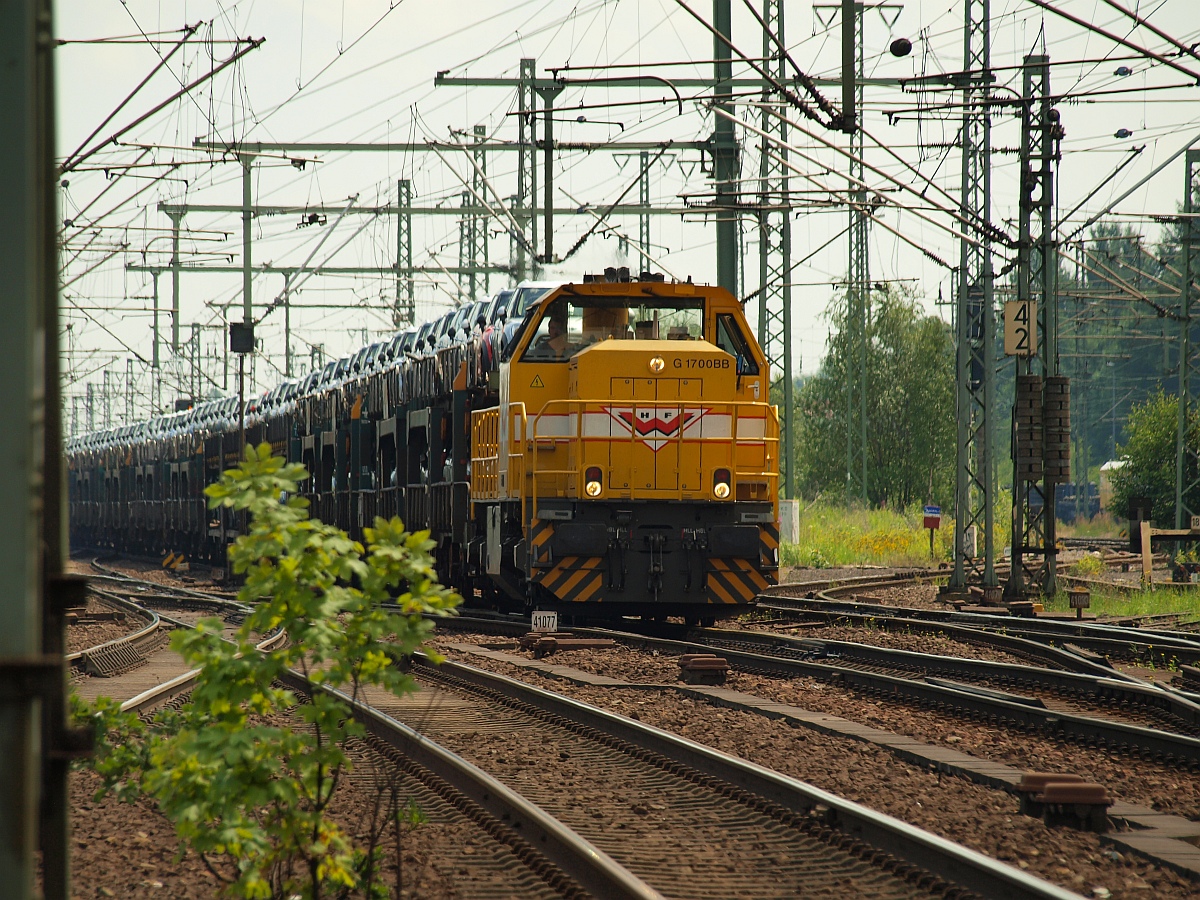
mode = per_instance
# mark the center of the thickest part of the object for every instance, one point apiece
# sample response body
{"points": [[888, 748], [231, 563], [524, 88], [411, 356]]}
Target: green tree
{"points": [[1149, 456], [248, 790], [910, 406], [1116, 340]]}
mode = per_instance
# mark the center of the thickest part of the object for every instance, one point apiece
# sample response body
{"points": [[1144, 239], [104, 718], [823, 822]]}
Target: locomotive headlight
{"points": [[721, 484], [657, 364], [593, 481]]}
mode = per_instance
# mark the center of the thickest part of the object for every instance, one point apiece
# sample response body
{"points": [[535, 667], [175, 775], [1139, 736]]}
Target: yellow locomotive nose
{"points": [[659, 436]]}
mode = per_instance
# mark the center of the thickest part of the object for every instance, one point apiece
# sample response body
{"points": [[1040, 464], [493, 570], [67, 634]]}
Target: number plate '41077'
{"points": [[545, 620]]}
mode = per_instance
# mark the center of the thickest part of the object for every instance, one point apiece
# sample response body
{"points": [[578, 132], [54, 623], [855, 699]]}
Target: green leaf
{"points": [[236, 783]]}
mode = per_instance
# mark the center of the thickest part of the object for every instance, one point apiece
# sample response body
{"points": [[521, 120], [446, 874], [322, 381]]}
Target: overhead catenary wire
{"points": [[1153, 29], [253, 44], [511, 226], [306, 273], [69, 163], [590, 181], [613, 230], [642, 174], [834, 117], [862, 185], [1090, 26], [1133, 153]]}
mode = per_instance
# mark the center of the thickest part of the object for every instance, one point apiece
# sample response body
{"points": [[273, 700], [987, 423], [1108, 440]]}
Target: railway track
{"points": [[1152, 646], [141, 662], [123, 653], [687, 819], [785, 837], [1078, 698], [514, 849], [507, 626], [1083, 694], [955, 697], [871, 855]]}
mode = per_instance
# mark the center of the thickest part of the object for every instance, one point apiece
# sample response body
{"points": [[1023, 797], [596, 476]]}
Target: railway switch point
{"points": [[548, 644]]}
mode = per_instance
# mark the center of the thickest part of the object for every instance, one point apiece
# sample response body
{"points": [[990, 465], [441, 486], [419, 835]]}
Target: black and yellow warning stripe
{"points": [[540, 531], [768, 542], [574, 579], [768, 536], [734, 581]]}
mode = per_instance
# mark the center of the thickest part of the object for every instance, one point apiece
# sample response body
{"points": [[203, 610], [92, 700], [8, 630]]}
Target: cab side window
{"points": [[551, 342], [732, 341]]}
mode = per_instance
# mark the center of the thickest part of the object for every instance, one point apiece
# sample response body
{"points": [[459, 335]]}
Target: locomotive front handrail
{"points": [[485, 470]]}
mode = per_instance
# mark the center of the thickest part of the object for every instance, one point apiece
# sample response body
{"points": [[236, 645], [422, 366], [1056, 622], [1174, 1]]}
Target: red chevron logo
{"points": [[655, 425]]}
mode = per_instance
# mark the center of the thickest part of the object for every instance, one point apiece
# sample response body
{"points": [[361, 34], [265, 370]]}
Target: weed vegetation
{"points": [[836, 536], [1162, 600], [1101, 526]]}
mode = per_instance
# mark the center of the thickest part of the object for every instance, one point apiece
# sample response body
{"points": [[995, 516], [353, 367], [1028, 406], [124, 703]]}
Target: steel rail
{"points": [[593, 869], [1053, 722], [1100, 688], [1064, 659], [1090, 635], [952, 862], [580, 860], [84, 662]]}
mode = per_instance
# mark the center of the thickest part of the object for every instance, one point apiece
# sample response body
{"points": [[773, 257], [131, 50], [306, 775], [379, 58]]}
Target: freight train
{"points": [[609, 449]]}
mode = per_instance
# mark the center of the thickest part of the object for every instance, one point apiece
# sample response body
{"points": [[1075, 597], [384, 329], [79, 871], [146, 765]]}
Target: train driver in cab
{"points": [[552, 343]]}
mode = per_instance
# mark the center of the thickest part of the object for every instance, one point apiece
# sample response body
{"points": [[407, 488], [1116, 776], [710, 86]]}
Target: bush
{"points": [[1088, 566], [249, 795]]}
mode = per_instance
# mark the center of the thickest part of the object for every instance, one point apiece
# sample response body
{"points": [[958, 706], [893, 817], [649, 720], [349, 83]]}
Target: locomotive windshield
{"points": [[570, 324]]}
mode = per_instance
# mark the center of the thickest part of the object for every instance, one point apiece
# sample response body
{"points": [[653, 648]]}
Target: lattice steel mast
{"points": [[472, 231], [724, 149], [858, 272], [525, 207], [775, 246], [405, 288], [1187, 467], [1041, 427], [975, 353]]}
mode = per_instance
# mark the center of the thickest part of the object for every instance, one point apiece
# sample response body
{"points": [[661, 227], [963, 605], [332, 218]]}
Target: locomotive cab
{"points": [[632, 463]]}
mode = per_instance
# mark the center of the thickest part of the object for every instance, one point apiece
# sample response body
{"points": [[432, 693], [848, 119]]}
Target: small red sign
{"points": [[933, 517]]}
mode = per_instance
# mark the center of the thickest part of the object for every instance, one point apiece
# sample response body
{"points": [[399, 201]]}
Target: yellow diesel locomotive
{"points": [[630, 462]]}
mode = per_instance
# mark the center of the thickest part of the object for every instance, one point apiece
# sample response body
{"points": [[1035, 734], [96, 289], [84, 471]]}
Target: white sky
{"points": [[364, 71]]}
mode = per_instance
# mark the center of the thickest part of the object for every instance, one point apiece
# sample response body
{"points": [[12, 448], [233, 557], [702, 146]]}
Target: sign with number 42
{"points": [[1020, 328]]}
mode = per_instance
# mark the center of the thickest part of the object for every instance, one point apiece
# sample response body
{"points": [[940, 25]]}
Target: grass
{"points": [[832, 535], [1141, 603], [1101, 526], [835, 536]]}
